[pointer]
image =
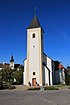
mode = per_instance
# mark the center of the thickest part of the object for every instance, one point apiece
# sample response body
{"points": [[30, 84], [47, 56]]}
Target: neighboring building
{"points": [[3, 65], [38, 67], [59, 73], [12, 65], [68, 67]]}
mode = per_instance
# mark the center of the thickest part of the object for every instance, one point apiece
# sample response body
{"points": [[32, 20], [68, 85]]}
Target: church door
{"points": [[34, 81]]}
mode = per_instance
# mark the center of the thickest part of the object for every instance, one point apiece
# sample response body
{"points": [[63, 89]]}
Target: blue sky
{"points": [[16, 16]]}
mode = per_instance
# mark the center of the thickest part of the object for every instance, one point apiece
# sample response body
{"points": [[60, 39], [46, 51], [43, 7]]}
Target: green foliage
{"points": [[11, 87], [1, 85], [51, 88], [35, 88], [67, 80], [45, 88], [67, 77], [5, 85], [6, 75], [18, 75]]}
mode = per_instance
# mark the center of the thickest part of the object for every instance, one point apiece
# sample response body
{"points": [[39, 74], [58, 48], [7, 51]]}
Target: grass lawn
{"points": [[62, 86], [54, 87]]}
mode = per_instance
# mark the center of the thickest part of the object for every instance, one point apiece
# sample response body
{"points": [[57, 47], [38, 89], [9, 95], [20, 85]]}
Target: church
{"points": [[39, 69]]}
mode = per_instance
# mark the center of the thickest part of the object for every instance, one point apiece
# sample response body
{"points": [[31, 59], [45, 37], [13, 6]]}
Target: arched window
{"points": [[33, 73], [33, 35]]}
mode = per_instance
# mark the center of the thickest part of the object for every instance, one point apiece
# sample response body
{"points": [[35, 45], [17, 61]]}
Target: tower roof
{"points": [[35, 23], [12, 59]]}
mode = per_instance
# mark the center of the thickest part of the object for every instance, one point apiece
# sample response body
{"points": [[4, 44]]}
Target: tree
{"points": [[6, 75], [67, 76], [18, 75]]}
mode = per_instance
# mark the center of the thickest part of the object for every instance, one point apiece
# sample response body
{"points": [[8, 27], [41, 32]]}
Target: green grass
{"points": [[54, 87], [60, 86]]}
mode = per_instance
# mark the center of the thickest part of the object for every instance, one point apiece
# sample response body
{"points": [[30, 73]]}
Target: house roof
{"points": [[1, 65], [12, 59], [17, 65], [5, 65], [35, 23], [47, 56], [46, 66], [60, 66]]}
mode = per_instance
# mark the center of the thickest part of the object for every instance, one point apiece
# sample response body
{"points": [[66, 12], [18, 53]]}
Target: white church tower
{"points": [[12, 62], [36, 71]]}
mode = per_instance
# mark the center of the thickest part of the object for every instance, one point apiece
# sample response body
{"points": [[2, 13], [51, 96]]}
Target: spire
{"points": [[35, 22], [34, 11]]}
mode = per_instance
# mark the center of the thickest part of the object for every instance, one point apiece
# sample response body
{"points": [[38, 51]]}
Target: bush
{"points": [[18, 75], [67, 81], [7, 85], [67, 78], [45, 88], [68, 87], [11, 87], [35, 88], [1, 85], [51, 88]]}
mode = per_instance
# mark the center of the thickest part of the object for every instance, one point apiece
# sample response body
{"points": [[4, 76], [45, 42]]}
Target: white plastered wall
{"points": [[25, 78], [62, 76], [49, 65], [34, 55], [46, 76], [12, 65]]}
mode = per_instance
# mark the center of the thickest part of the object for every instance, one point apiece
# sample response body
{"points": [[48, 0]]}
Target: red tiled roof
{"points": [[60, 66]]}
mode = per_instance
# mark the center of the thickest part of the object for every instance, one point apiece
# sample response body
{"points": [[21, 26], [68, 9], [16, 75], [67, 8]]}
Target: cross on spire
{"points": [[34, 11]]}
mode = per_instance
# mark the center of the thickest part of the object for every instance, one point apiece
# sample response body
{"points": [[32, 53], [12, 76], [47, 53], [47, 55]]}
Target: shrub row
{"points": [[6, 85], [35, 88], [51, 88], [45, 88]]}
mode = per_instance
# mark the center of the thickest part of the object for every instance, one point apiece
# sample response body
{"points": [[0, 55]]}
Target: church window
{"points": [[33, 73], [33, 35]]}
